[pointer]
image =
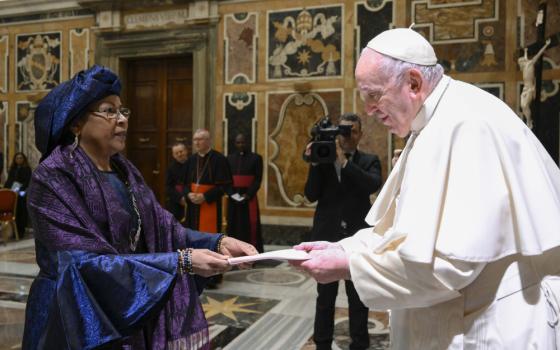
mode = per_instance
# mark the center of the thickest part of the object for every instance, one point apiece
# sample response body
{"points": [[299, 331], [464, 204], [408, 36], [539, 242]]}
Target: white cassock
{"points": [[464, 248]]}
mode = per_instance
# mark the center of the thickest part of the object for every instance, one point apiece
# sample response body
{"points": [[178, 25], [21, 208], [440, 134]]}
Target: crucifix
{"points": [[545, 125]]}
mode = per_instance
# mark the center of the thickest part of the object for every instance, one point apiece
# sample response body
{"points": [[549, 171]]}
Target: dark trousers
{"points": [[324, 317]]}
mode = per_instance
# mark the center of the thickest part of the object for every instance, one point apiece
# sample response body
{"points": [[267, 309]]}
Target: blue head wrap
{"points": [[68, 101]]}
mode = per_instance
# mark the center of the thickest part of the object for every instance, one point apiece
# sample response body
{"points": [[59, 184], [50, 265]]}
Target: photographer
{"points": [[342, 189]]}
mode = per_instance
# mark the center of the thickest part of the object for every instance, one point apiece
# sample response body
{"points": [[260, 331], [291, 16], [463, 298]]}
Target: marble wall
{"points": [[36, 54], [297, 59]]}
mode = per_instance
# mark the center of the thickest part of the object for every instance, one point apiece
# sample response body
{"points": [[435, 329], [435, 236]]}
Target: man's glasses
{"points": [[113, 113]]}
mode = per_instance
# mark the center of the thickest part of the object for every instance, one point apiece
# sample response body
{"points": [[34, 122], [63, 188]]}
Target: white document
{"points": [[284, 254], [237, 197]]}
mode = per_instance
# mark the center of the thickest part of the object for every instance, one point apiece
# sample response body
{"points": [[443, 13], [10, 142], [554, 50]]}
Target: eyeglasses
{"points": [[113, 113]]}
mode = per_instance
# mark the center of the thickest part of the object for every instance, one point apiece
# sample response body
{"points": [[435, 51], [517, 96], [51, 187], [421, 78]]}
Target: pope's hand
{"points": [[317, 245], [326, 265], [234, 247], [208, 263]]}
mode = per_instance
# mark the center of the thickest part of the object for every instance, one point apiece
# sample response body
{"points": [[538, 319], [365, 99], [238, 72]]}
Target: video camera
{"points": [[323, 145]]}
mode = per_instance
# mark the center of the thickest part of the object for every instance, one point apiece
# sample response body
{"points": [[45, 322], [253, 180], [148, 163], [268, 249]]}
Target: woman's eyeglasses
{"points": [[113, 113]]}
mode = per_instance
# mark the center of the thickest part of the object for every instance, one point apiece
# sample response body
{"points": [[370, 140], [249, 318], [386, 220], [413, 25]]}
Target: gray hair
{"points": [[397, 69]]}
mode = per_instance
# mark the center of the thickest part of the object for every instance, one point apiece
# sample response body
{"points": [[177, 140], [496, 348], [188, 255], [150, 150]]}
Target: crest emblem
{"points": [[38, 61], [305, 43]]}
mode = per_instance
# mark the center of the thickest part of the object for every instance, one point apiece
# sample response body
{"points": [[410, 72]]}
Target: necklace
{"points": [[135, 236]]}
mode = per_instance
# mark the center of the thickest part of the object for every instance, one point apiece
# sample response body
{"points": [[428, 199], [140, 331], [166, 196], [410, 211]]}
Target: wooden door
{"points": [[159, 93]]}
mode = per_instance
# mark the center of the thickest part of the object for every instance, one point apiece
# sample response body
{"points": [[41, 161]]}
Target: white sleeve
{"points": [[386, 281]]}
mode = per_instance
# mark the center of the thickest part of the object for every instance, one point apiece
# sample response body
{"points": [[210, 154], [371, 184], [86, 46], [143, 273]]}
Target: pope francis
{"points": [[464, 244]]}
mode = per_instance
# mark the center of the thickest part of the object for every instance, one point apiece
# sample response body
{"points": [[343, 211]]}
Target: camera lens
{"points": [[323, 151]]}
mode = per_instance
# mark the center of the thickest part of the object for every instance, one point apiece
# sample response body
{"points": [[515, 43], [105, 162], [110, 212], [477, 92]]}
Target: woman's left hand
{"points": [[234, 247]]}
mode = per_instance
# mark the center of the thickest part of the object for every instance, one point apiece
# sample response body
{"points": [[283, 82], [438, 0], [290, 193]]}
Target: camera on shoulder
{"points": [[323, 141]]}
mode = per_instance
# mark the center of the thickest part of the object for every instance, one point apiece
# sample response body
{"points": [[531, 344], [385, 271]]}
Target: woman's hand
{"points": [[234, 247], [208, 263]]}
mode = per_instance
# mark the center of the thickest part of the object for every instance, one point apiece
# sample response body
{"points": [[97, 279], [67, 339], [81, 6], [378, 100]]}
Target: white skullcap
{"points": [[406, 45]]}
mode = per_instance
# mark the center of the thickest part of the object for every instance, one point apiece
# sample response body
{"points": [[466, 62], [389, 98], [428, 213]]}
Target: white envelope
{"points": [[284, 254]]}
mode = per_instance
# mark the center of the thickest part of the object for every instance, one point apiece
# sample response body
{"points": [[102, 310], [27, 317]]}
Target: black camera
{"points": [[323, 145]]}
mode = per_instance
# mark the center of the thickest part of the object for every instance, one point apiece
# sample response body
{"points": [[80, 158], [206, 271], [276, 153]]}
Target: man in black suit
{"points": [[343, 190], [175, 181]]}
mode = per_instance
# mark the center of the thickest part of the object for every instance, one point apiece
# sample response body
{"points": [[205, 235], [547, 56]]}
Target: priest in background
{"points": [[175, 181], [243, 208], [208, 178], [464, 247]]}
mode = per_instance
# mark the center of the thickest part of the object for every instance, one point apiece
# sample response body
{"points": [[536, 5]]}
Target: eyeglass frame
{"points": [[118, 113]]}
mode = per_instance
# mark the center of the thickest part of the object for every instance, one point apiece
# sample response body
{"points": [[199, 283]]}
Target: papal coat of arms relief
{"points": [[305, 44], [38, 61]]}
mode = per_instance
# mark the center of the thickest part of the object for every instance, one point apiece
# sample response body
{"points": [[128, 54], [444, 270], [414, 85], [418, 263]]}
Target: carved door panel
{"points": [[159, 93]]}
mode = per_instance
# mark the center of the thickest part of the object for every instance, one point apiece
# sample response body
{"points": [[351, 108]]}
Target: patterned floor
{"points": [[269, 307]]}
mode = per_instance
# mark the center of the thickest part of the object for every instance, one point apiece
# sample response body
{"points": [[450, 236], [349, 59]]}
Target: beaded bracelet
{"points": [[219, 245], [188, 261], [181, 261]]}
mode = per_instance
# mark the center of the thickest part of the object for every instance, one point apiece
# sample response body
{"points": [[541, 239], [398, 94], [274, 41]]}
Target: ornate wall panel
{"points": [[240, 37], [79, 50], [305, 43], [25, 132], [289, 120], [38, 61], [3, 64], [468, 36], [371, 18], [4, 134], [496, 89], [239, 117]]}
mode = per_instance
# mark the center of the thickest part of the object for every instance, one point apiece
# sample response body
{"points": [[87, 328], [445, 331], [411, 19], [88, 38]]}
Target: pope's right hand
{"points": [[317, 245], [207, 263]]}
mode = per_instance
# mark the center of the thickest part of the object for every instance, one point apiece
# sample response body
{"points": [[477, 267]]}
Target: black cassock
{"points": [[244, 217], [209, 175], [175, 188]]}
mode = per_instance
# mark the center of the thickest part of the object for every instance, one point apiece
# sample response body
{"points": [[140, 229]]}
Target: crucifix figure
{"points": [[528, 94]]}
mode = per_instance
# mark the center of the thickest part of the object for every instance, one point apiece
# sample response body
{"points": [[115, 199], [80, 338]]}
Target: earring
{"points": [[75, 145]]}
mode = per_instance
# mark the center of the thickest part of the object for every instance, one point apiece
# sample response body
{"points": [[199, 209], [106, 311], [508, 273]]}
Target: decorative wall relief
{"points": [[372, 17], [4, 134], [239, 117], [305, 43], [240, 36], [3, 64], [290, 117], [25, 132], [468, 36], [38, 61], [496, 89], [79, 50]]}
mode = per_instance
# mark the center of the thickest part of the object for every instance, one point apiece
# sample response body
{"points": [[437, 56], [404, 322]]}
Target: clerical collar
{"points": [[430, 105], [202, 155]]}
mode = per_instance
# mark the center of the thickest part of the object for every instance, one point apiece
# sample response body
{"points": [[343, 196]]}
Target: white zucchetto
{"points": [[406, 45]]}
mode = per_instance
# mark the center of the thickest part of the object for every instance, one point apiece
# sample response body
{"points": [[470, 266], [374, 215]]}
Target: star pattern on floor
{"points": [[227, 307]]}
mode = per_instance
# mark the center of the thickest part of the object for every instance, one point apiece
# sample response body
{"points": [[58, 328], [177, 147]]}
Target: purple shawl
{"points": [[74, 207]]}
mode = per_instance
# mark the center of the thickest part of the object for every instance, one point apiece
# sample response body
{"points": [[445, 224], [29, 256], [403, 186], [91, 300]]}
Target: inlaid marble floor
{"points": [[269, 307]]}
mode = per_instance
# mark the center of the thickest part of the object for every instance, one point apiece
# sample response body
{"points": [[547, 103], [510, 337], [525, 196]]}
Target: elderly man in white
{"points": [[464, 244]]}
